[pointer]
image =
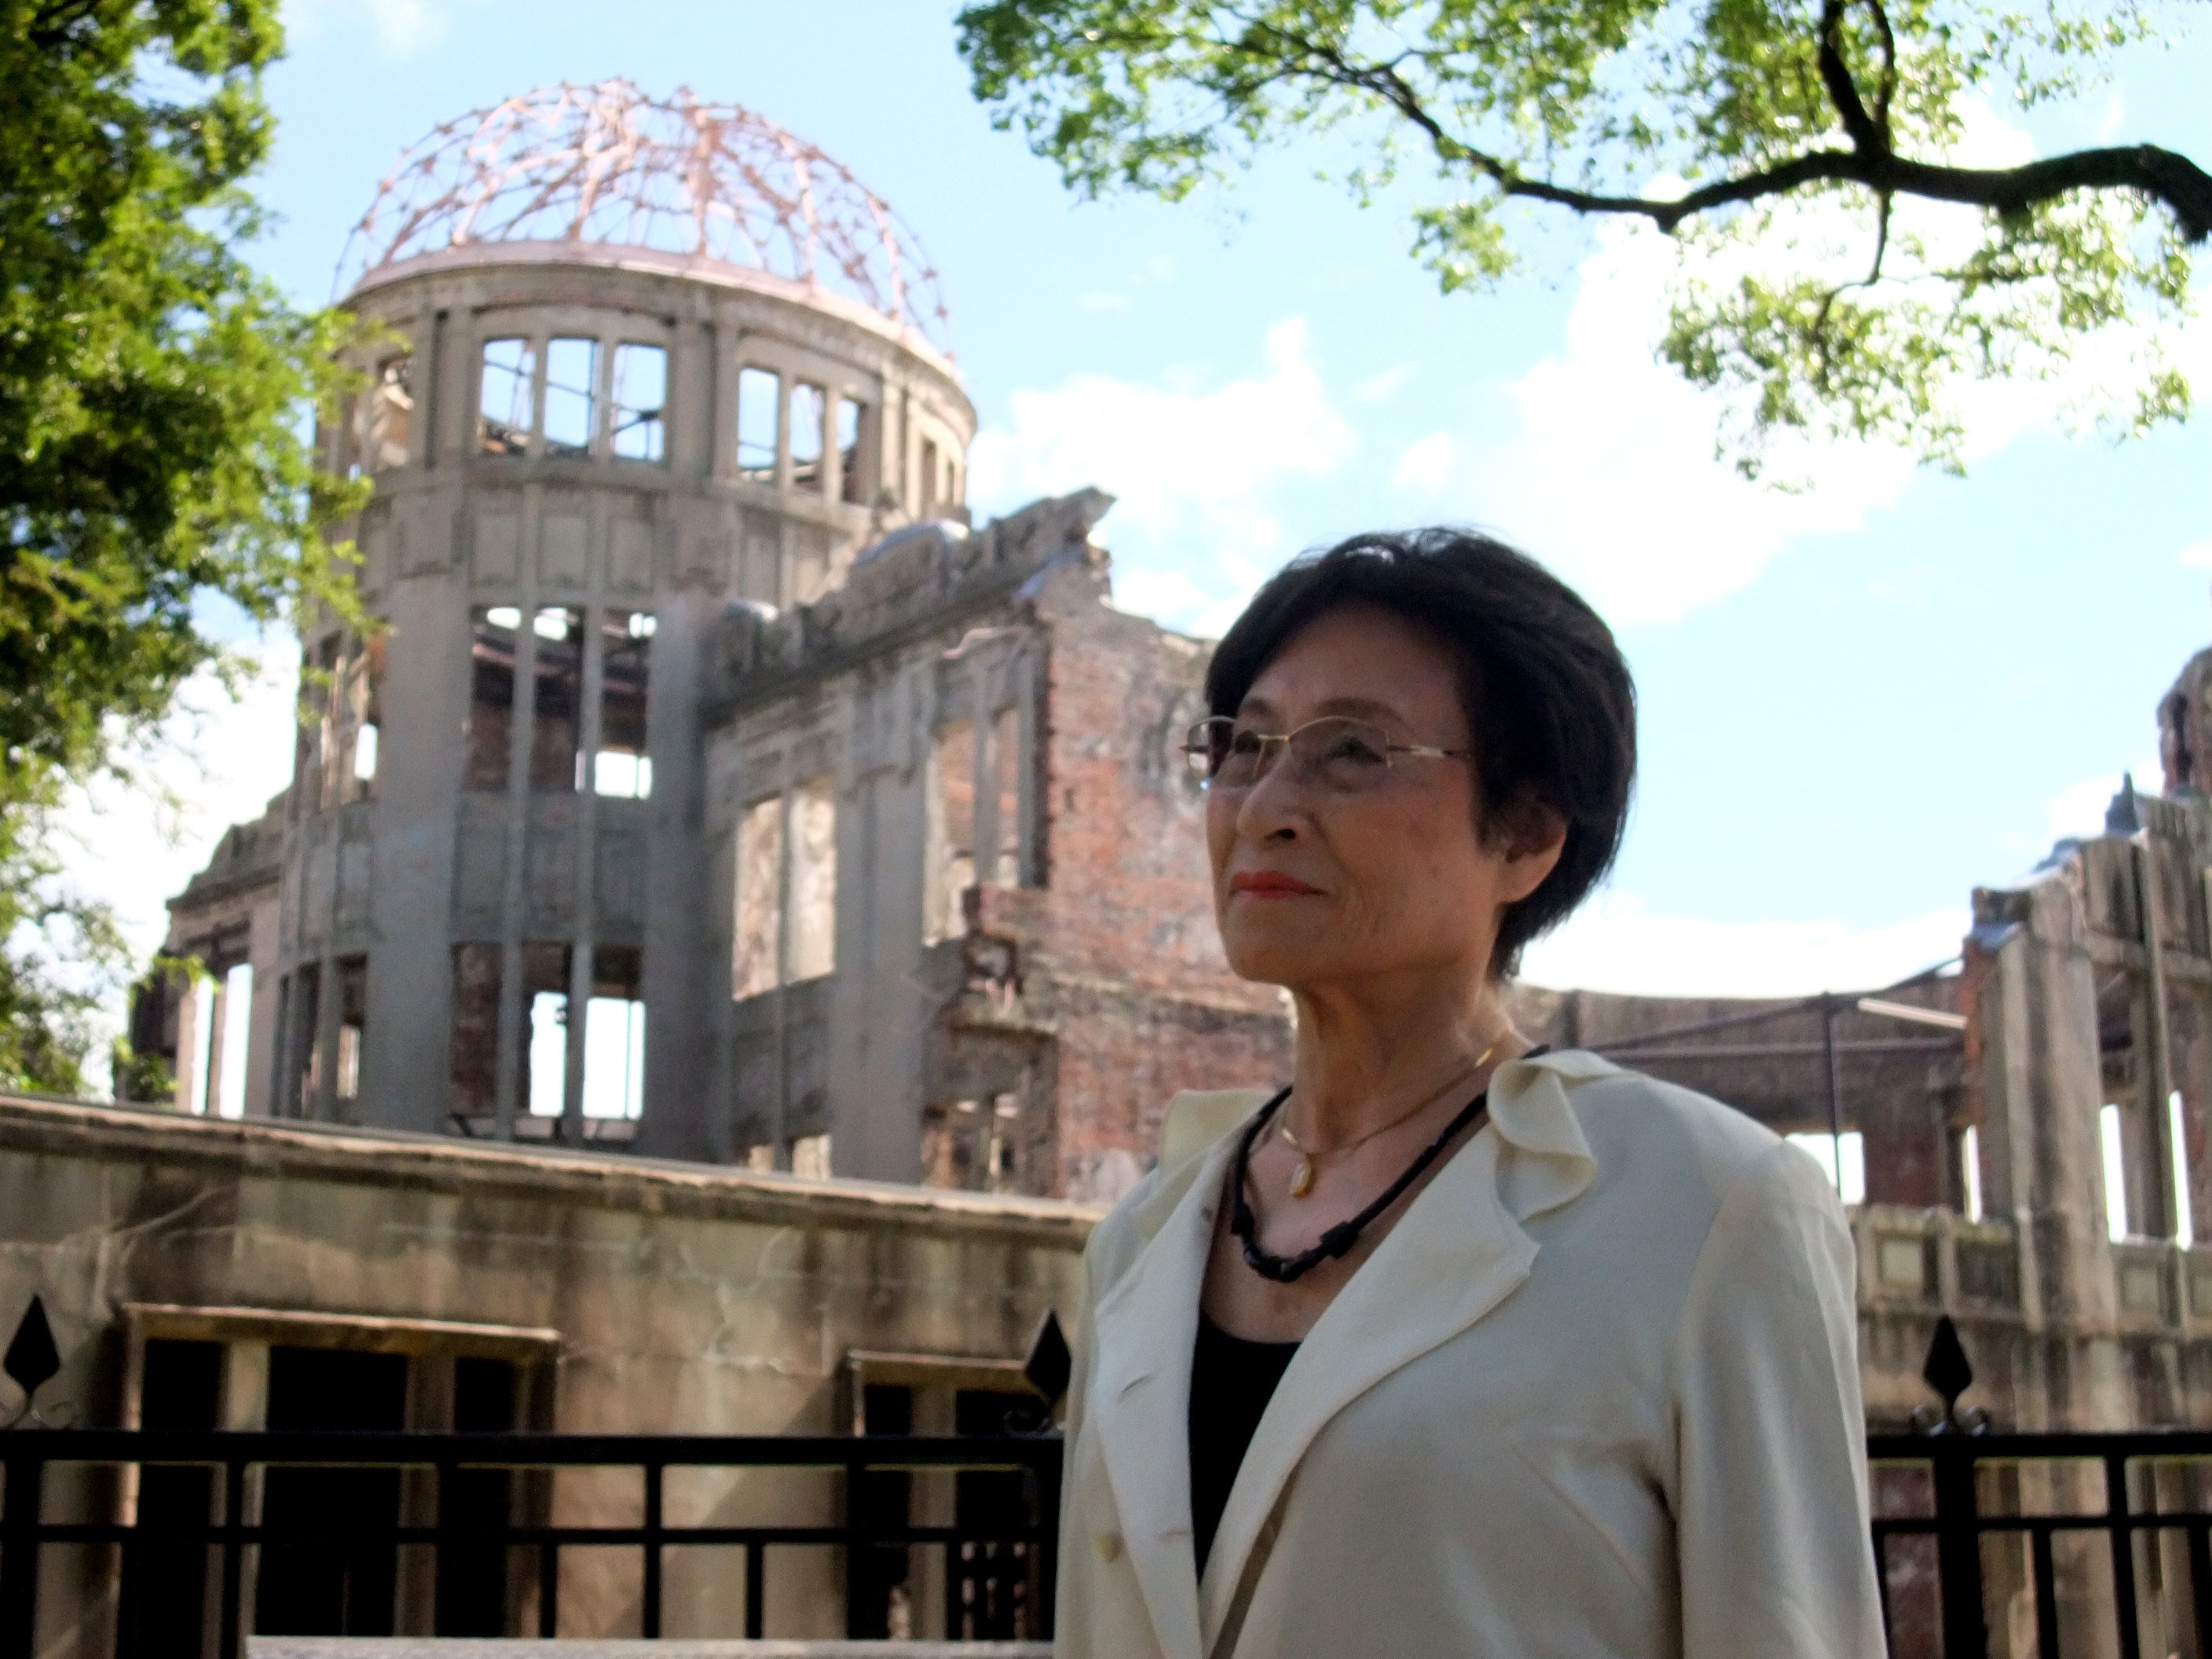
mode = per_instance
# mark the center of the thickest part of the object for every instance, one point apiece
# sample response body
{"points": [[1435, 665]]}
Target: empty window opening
{"points": [[475, 1504], [358, 718], [973, 1146], [165, 1582], [810, 1156], [231, 1037], [545, 996], [951, 870], [881, 1502], [2185, 1221], [1970, 1171], [1006, 764], [365, 744], [813, 943], [558, 678], [640, 397], [488, 734], [1842, 1159], [202, 1045], [810, 409], [505, 395], [342, 1588], [759, 919], [323, 756], [622, 768], [387, 414], [760, 397], [353, 1021], [2116, 1172], [473, 1059], [306, 1022], [572, 385], [928, 474], [614, 1035], [851, 485]]}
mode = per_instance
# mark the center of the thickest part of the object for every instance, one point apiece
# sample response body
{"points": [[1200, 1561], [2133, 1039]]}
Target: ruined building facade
{"points": [[717, 790], [705, 785]]}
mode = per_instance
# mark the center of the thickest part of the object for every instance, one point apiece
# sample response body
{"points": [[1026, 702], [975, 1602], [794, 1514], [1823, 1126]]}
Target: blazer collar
{"points": [[1145, 1327], [1458, 1251]]}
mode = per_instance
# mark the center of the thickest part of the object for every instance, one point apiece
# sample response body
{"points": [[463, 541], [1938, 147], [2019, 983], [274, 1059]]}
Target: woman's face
{"points": [[1312, 885]]}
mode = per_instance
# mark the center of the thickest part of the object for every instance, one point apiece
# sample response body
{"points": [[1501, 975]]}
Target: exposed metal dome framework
{"points": [[607, 165]]}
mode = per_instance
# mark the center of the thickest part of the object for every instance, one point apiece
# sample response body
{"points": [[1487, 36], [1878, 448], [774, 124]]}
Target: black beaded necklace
{"points": [[1342, 1237]]}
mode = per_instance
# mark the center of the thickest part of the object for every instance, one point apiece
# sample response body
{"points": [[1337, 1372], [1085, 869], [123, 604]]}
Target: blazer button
{"points": [[1110, 1546]]}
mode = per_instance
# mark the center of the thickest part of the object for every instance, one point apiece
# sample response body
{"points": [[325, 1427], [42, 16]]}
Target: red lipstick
{"points": [[1269, 883]]}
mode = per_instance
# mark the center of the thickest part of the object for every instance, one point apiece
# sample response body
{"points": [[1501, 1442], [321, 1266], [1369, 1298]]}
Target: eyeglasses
{"points": [[1342, 755]]}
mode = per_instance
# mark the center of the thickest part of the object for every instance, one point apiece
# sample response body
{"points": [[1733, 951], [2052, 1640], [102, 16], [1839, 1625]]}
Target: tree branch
{"points": [[1842, 91], [1885, 93], [2163, 175]]}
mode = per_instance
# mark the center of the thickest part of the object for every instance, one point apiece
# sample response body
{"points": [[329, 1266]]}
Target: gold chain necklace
{"points": [[1302, 1178]]}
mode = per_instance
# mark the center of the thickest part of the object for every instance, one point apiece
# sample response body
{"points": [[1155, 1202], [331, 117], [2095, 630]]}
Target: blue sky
{"points": [[1859, 701]]}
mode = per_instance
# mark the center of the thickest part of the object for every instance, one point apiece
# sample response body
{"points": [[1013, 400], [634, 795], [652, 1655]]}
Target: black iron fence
{"points": [[153, 1543], [2080, 1545]]}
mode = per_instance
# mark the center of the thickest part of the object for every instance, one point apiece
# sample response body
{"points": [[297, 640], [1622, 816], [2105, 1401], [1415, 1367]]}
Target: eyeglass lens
{"points": [[1338, 752]]}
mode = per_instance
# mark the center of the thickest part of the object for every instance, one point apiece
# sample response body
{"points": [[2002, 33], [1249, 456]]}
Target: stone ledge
{"points": [[467, 1647]]}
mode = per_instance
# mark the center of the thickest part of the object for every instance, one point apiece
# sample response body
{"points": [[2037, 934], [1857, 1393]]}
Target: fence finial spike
{"points": [[32, 1360], [1947, 1370], [1050, 1365]]}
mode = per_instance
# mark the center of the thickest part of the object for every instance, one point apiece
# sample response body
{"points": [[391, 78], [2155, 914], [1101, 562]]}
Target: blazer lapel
{"points": [[1457, 1253], [1146, 1326]]}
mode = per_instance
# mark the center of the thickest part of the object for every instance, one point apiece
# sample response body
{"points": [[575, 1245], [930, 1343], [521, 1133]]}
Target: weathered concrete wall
{"points": [[1014, 1016], [661, 1298]]}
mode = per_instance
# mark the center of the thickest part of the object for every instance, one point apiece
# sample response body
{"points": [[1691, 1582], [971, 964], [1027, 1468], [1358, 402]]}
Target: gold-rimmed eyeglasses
{"points": [[1338, 752]]}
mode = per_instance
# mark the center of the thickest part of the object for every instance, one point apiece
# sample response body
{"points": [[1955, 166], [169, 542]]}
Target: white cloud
{"points": [[1381, 388], [2197, 556], [1616, 943], [1605, 464], [1102, 300], [402, 28], [1606, 470], [1426, 463], [1195, 468], [221, 760]]}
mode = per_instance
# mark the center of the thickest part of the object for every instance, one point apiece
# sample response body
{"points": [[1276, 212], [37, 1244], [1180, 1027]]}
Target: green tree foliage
{"points": [[1851, 259], [153, 444]]}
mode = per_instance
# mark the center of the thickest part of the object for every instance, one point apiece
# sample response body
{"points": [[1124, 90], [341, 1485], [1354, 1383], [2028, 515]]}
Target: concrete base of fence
{"points": [[472, 1647]]}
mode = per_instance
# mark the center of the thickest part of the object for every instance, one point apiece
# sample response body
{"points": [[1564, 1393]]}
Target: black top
{"points": [[1231, 1380]]}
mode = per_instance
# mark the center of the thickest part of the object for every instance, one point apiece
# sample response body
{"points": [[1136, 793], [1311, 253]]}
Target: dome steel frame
{"points": [[605, 164]]}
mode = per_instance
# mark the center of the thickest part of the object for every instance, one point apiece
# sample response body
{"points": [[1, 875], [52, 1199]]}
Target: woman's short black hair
{"points": [[1548, 698]]}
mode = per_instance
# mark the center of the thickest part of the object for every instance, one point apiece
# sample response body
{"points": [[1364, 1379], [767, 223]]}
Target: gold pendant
{"points": [[1302, 1179]]}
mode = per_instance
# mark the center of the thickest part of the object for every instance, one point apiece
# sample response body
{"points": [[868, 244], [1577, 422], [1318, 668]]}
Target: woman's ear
{"points": [[1531, 833]]}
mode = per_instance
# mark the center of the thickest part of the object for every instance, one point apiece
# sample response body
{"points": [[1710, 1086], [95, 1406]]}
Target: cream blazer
{"points": [[1596, 1396]]}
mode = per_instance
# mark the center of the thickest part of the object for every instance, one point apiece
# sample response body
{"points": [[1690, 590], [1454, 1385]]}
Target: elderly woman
{"points": [[1454, 1346]]}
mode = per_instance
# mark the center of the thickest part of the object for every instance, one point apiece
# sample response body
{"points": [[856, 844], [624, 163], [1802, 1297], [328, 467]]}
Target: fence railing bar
{"points": [[2200, 1583], [650, 1612], [23, 1494], [2123, 1555], [549, 1587], [1958, 1552], [756, 1590], [118, 1533], [2047, 1596], [233, 1561], [1881, 1586]]}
